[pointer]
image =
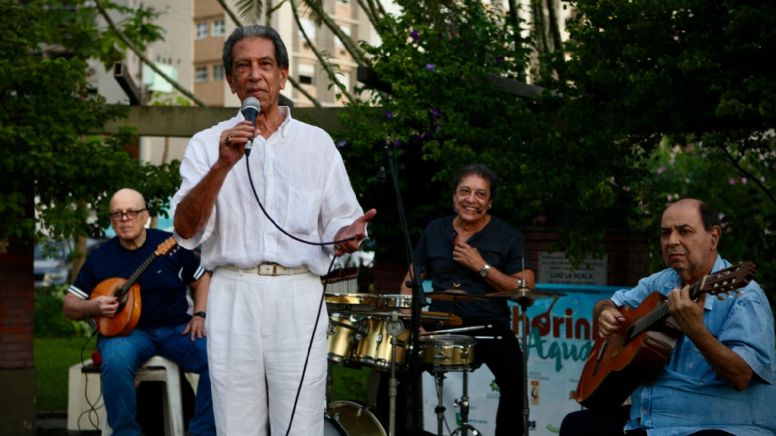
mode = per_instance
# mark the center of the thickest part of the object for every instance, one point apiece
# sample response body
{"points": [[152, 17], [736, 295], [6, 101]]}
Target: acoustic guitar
{"points": [[638, 353], [127, 291]]}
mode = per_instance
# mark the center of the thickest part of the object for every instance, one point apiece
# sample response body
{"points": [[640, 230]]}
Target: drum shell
{"points": [[447, 353], [342, 338], [375, 348]]}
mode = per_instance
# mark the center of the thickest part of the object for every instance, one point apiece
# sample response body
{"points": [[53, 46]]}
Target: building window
{"points": [[202, 30], [219, 28], [218, 72], [309, 29], [306, 74], [200, 75]]}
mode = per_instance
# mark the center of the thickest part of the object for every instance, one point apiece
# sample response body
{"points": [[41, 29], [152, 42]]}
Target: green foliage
{"points": [[634, 74], [685, 92], [52, 167], [441, 112], [49, 320], [748, 217]]}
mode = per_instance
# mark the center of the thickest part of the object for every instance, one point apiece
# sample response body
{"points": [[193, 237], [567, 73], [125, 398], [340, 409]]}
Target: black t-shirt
{"points": [[500, 245]]}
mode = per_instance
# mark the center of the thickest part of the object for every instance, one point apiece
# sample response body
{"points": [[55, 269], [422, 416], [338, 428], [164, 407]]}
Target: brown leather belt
{"points": [[269, 269]]}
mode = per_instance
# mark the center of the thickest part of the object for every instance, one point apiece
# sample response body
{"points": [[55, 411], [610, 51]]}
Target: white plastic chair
{"points": [[156, 368]]}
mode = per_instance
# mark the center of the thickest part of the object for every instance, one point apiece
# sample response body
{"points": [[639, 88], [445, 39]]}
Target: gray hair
{"points": [[254, 31]]}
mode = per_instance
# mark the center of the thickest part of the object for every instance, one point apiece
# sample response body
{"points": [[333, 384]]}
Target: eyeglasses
{"points": [[130, 214]]}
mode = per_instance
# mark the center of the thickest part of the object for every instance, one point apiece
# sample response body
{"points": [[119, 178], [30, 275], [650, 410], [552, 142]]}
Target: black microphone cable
{"points": [[309, 349], [277, 226], [323, 294]]}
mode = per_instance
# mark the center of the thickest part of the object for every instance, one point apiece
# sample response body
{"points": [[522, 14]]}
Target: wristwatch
{"points": [[200, 313], [484, 270]]}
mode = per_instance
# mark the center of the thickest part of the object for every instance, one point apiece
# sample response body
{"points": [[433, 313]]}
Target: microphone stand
{"points": [[524, 299], [417, 300]]}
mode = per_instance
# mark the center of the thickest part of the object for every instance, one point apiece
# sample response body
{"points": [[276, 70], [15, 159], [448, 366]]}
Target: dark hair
{"points": [[709, 216], [254, 31], [479, 170]]}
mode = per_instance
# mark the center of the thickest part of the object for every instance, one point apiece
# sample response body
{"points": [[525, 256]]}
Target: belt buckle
{"points": [[268, 269]]}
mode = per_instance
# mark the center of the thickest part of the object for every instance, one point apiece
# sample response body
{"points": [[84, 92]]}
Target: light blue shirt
{"points": [[689, 396]]}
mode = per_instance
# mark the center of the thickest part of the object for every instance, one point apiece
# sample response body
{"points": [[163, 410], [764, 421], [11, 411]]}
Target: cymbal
{"points": [[518, 294], [454, 295]]}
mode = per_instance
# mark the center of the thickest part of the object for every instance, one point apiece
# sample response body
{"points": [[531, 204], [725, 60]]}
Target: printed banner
{"points": [[558, 344]]}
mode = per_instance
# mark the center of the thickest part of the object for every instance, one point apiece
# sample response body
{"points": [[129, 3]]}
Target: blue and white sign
{"points": [[559, 341]]}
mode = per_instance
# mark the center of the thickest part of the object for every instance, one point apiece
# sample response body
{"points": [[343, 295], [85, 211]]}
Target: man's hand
{"points": [[467, 256], [196, 327], [610, 321], [232, 142], [105, 306], [687, 313], [356, 230]]}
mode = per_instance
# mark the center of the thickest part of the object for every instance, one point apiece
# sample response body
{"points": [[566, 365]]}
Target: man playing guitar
{"points": [[157, 304], [719, 379]]}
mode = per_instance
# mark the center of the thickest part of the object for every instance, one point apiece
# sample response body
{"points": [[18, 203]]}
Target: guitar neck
{"points": [[661, 312], [122, 290]]}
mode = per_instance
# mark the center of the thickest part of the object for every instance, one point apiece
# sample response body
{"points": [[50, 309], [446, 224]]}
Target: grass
{"points": [[54, 356]]}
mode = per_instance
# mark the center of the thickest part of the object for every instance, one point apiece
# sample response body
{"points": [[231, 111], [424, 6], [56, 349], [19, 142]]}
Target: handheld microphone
{"points": [[250, 110]]}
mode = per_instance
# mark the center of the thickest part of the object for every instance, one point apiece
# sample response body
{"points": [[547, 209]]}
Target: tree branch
{"points": [[231, 13], [324, 63], [352, 48], [143, 57], [737, 165]]}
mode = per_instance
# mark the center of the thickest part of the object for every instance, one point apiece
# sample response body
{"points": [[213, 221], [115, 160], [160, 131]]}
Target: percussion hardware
{"points": [[396, 301], [451, 353], [454, 295], [375, 347], [458, 329], [447, 353], [394, 328], [526, 299], [352, 302], [463, 405], [343, 337], [522, 295], [498, 338]]}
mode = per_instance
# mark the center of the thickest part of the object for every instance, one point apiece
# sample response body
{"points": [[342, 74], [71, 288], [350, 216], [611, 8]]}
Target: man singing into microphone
{"points": [[263, 317]]}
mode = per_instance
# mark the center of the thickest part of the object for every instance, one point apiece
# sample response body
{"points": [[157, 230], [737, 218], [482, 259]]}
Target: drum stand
{"points": [[394, 327]]}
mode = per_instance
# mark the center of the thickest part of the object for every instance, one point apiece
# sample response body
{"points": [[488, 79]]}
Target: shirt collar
{"points": [[285, 111]]}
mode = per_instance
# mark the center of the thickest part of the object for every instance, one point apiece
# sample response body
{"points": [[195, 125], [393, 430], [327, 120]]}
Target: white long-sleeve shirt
{"points": [[299, 177]]}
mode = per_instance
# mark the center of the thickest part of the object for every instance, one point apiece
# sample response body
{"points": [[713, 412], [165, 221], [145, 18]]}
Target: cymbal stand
{"points": [[524, 299], [394, 327]]}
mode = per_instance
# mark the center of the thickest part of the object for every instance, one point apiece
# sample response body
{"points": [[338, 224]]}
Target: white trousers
{"points": [[258, 333]]}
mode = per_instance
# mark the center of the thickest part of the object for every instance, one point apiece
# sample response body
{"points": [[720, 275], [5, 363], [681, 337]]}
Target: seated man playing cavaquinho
{"points": [[164, 327]]}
